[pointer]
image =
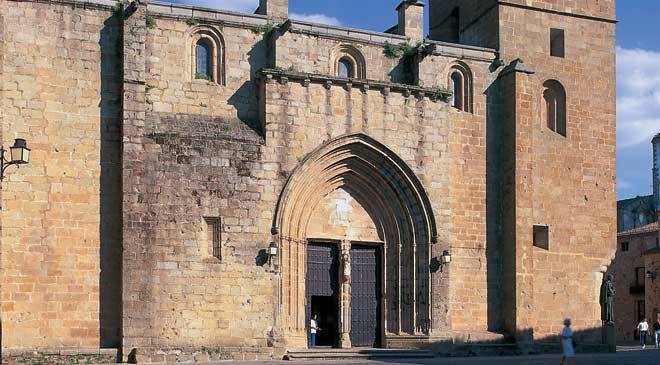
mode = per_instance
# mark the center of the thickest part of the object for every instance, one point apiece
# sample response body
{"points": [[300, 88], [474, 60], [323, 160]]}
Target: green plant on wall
{"points": [[192, 21], [150, 21], [440, 94], [118, 8], [201, 76], [403, 50], [267, 29], [390, 50]]}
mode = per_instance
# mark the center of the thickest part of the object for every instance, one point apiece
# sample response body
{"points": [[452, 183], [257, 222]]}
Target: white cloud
{"points": [[244, 6], [638, 101], [623, 184], [249, 6], [316, 18]]}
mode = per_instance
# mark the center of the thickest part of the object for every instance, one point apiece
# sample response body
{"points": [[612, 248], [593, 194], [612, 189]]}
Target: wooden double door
{"points": [[324, 280]]}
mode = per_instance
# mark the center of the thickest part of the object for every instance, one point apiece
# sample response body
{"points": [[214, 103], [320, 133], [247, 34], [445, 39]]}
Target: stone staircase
{"points": [[319, 354]]}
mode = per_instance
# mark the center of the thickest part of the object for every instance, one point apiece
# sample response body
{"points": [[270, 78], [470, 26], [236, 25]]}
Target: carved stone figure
{"points": [[607, 293], [346, 258]]}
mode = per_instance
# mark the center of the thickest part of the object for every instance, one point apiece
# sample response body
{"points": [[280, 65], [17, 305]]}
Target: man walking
{"points": [[656, 332], [643, 328]]}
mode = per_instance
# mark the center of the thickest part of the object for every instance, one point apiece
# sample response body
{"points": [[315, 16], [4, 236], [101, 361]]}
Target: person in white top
{"points": [[313, 327], [643, 328], [567, 344]]}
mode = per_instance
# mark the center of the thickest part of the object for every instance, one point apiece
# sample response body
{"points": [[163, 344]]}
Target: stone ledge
{"points": [[284, 76]]}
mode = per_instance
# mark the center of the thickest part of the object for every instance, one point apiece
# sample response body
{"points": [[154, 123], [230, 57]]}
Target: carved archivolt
{"points": [[351, 54], [212, 37], [389, 190]]}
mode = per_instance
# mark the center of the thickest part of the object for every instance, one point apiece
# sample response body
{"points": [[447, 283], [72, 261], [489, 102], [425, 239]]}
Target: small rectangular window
{"points": [[557, 42], [213, 235], [624, 246], [641, 309], [640, 276], [542, 237]]}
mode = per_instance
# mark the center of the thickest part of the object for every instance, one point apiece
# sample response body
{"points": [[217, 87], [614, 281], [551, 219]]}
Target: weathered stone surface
{"points": [[280, 149]]}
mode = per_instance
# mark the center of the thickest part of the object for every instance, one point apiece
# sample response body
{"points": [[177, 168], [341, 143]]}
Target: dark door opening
{"points": [[326, 310], [366, 323], [322, 286]]}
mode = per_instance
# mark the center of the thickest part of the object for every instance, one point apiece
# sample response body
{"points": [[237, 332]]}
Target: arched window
{"points": [[457, 81], [207, 55], [348, 62], [460, 81], [204, 69], [346, 68], [554, 97]]}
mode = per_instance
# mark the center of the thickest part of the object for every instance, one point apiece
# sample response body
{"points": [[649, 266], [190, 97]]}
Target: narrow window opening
{"points": [[640, 277], [625, 246], [204, 69], [346, 68], [213, 236], [557, 46], [542, 237], [554, 96], [641, 311], [457, 83]]}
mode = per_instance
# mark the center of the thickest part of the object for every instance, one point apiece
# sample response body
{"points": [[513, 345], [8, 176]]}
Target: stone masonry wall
{"points": [[195, 155], [53, 71]]}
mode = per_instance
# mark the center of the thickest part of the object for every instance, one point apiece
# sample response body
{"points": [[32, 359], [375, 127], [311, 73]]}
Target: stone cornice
{"points": [[83, 4], [284, 76]]}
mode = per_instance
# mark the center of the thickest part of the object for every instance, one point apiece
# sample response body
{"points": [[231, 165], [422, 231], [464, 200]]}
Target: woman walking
{"points": [[567, 344]]}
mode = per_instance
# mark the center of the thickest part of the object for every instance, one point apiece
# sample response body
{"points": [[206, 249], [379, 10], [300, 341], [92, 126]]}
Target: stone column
{"points": [[345, 292]]}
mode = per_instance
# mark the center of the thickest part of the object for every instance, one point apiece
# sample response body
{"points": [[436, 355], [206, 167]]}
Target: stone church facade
{"points": [[203, 181]]}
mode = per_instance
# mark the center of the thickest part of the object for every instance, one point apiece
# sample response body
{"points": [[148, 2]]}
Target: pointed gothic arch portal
{"points": [[392, 197]]}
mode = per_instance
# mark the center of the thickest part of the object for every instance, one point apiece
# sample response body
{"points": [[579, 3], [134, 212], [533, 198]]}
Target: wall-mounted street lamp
{"points": [[19, 154], [651, 275], [446, 257], [272, 250], [272, 253]]}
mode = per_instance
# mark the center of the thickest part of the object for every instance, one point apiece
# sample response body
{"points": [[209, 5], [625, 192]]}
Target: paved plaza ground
{"points": [[633, 357]]}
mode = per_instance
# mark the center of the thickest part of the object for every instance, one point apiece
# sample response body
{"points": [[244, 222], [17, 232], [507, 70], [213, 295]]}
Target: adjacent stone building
{"points": [[636, 266], [202, 181], [634, 269]]}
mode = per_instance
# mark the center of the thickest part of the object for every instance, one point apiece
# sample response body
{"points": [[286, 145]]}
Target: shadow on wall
{"points": [[246, 99], [110, 255]]}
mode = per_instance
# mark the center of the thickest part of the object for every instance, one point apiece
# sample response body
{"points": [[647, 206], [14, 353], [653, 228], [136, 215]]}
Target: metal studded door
{"points": [[322, 291], [365, 296]]}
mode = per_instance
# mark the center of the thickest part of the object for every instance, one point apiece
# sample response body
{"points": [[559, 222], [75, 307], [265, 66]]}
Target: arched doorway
{"points": [[393, 260]]}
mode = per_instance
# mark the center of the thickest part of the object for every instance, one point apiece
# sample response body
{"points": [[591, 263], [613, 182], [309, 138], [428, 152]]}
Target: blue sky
{"points": [[638, 73]]}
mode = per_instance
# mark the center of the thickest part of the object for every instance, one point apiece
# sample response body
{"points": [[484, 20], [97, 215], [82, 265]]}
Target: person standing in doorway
{"points": [[656, 332], [643, 328], [313, 328], [567, 344]]}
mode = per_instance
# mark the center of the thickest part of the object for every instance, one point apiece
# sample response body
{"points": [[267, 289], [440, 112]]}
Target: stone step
{"points": [[350, 354]]}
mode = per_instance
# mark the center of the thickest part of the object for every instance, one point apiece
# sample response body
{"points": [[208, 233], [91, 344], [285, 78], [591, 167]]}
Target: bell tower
{"points": [[551, 146]]}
